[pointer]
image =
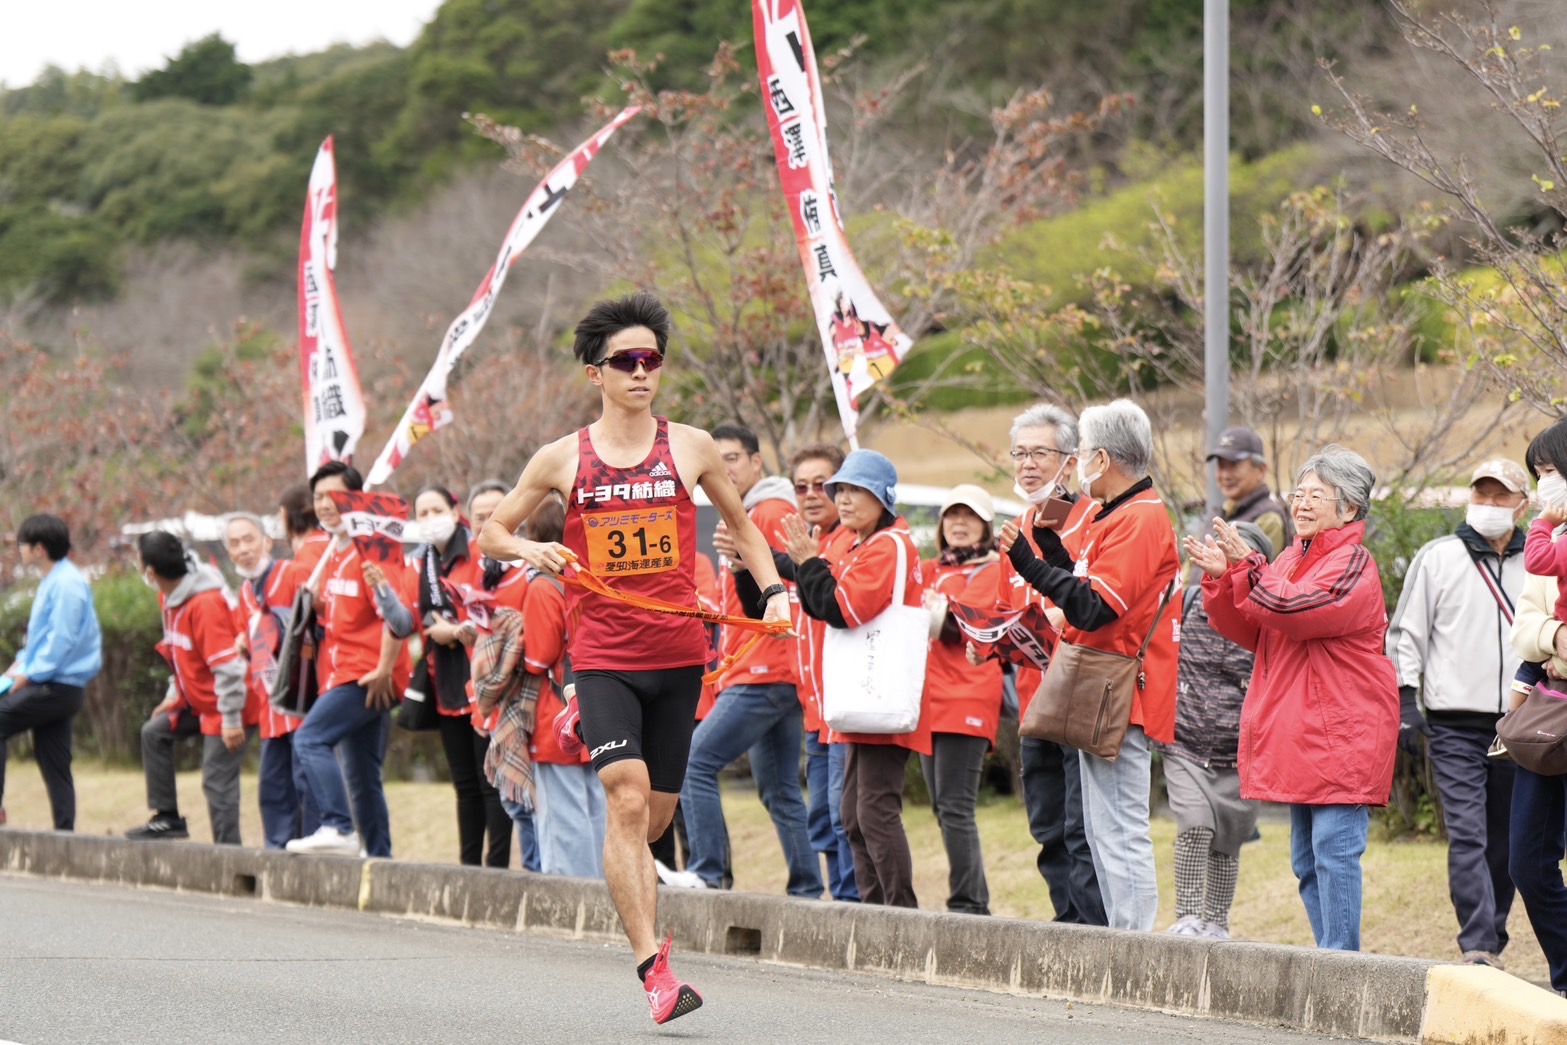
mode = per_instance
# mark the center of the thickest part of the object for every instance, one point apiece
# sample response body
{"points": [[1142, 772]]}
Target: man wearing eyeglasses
{"points": [[1044, 453], [627, 480], [1243, 480], [758, 708]]}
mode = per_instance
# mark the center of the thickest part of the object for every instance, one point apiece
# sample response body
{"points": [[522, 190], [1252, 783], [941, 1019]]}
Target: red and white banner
{"points": [[334, 404], [375, 521], [861, 340], [430, 409], [1017, 636]]}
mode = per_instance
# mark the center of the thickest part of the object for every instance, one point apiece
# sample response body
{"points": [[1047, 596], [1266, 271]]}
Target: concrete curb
{"points": [[1355, 995]]}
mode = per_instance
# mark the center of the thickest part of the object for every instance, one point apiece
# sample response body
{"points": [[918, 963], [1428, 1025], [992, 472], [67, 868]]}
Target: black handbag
{"points": [[416, 712], [297, 685]]}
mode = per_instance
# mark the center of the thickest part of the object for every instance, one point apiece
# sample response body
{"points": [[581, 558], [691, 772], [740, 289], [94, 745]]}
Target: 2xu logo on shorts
{"points": [[613, 745]]}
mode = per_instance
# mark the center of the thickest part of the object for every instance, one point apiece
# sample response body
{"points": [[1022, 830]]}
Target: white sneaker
{"points": [[1215, 931], [678, 879], [1187, 925], [327, 841]]}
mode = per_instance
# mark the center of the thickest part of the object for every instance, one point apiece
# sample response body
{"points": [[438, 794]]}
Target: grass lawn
{"points": [[1406, 908]]}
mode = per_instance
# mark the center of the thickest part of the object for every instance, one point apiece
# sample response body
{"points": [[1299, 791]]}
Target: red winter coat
{"points": [[1320, 722]]}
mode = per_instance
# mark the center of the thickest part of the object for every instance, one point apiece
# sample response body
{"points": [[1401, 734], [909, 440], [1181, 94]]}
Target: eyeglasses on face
{"points": [[626, 362], [801, 488], [1037, 455], [1312, 497]]}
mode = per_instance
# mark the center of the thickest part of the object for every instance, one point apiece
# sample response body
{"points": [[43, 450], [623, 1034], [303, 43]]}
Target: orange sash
{"points": [[584, 577]]}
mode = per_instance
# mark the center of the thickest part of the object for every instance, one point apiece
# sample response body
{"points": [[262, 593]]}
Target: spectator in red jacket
{"points": [[846, 586], [1111, 588], [964, 699], [207, 694], [1320, 723]]}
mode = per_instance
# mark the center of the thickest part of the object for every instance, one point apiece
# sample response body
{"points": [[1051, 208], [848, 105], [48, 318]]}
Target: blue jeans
{"points": [[527, 829], [824, 821], [1115, 821], [1538, 837], [766, 720], [341, 721], [1325, 847], [287, 809], [837, 768], [569, 818]]}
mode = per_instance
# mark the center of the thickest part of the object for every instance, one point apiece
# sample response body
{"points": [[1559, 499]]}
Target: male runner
{"points": [[627, 480]]}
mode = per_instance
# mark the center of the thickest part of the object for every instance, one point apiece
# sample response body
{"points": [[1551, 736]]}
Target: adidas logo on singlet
{"points": [[659, 470]]}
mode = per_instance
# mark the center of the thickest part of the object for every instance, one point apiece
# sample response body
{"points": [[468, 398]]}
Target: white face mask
{"points": [[438, 528], [1039, 496], [1084, 480], [255, 571], [1489, 521], [1552, 488]]}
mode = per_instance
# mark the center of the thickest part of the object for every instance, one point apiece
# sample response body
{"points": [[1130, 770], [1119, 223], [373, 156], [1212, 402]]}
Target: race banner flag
{"points": [[1017, 636], [375, 521], [861, 340], [430, 410], [334, 404]]}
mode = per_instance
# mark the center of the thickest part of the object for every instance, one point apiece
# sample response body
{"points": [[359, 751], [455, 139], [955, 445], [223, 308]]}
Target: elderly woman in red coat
{"points": [[1320, 723]]}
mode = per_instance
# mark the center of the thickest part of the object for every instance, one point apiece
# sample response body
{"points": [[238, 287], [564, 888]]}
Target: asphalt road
{"points": [[85, 963]]}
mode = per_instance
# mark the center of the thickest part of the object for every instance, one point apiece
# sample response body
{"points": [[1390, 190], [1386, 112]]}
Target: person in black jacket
{"points": [[1201, 766]]}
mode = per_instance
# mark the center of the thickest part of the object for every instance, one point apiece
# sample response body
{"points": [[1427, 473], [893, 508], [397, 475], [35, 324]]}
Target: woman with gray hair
{"points": [[1320, 724]]}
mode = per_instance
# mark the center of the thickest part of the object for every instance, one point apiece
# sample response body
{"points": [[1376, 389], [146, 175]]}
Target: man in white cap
{"points": [[1450, 641]]}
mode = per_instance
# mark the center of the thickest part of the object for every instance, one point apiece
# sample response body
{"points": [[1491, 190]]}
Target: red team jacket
{"points": [[959, 697]]}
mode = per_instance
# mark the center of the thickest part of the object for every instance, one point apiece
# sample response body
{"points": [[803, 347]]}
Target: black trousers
{"points": [[1477, 804], [1053, 797], [479, 811], [48, 709]]}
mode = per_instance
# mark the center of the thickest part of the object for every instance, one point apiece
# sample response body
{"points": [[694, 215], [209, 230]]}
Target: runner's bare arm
{"points": [[753, 547], [550, 469]]}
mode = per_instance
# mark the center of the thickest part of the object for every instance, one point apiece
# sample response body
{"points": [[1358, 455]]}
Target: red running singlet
{"points": [[636, 528]]}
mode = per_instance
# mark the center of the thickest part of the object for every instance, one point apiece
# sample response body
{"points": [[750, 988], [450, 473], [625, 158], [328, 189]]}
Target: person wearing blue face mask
{"points": [[1450, 642]]}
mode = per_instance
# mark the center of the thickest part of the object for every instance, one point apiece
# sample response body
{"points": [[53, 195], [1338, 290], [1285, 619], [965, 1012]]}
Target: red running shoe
{"points": [[666, 996], [568, 725]]}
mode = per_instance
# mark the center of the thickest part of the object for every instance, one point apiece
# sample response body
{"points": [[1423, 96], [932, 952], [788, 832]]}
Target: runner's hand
{"points": [[778, 609], [802, 543], [548, 558]]}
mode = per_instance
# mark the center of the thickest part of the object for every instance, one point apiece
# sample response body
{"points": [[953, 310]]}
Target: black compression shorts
{"points": [[645, 715]]}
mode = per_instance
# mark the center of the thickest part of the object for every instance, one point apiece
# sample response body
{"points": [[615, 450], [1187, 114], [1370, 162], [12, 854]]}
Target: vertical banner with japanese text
{"points": [[334, 405], [861, 340], [430, 410]]}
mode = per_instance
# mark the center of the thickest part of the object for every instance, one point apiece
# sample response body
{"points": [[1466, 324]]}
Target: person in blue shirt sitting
{"points": [[43, 690]]}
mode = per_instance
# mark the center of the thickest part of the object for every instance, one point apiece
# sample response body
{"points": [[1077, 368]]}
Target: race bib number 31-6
{"points": [[633, 541]]}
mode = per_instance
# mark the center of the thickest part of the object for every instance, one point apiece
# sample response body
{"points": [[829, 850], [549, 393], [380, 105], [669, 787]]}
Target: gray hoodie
{"points": [[772, 488], [228, 678]]}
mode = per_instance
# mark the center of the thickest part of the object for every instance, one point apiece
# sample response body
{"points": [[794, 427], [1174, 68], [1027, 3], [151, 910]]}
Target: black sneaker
{"points": [[158, 828]]}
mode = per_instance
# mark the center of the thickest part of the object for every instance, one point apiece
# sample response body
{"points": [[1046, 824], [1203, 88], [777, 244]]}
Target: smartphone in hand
{"points": [[1053, 513]]}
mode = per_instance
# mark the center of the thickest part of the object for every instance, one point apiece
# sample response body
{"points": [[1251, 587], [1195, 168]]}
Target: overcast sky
{"points": [[138, 36]]}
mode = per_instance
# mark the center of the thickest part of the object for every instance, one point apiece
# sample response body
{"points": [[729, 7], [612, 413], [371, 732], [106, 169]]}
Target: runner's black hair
{"points": [[608, 318]]}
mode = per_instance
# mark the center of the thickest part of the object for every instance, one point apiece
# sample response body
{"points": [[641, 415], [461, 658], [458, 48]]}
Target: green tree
{"points": [[206, 72]]}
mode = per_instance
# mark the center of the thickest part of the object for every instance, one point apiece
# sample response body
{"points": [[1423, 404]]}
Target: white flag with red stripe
{"points": [[334, 404], [430, 409], [862, 342]]}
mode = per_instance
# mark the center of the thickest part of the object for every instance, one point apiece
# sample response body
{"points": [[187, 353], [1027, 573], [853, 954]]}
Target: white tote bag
{"points": [[873, 675]]}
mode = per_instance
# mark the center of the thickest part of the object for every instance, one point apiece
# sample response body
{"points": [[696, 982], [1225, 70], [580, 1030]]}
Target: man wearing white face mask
{"points": [[1449, 639]]}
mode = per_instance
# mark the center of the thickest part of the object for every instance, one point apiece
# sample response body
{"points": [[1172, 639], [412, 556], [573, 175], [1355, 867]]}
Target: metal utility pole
{"points": [[1216, 229]]}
